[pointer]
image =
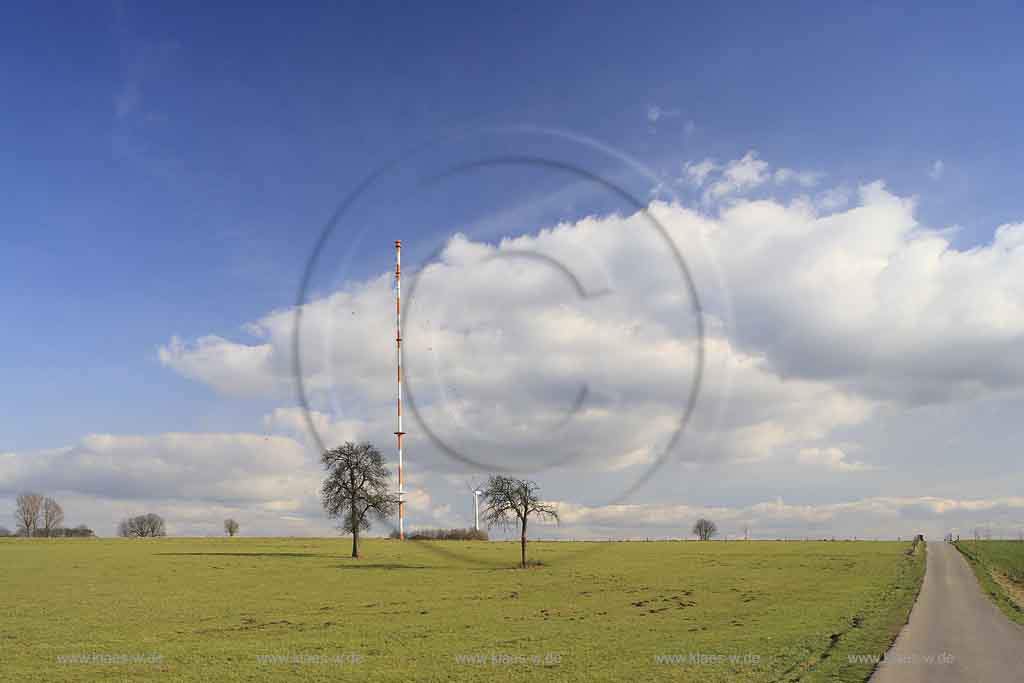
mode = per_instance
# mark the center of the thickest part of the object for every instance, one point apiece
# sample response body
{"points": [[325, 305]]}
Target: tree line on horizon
{"points": [[356, 490], [39, 516]]}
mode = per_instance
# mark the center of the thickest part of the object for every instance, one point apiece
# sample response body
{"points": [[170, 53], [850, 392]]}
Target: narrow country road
{"points": [[955, 633]]}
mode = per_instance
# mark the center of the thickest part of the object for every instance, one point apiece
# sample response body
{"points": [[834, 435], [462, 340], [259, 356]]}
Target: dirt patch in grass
{"points": [[1014, 590]]}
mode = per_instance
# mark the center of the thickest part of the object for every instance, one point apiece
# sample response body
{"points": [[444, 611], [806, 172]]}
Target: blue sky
{"points": [[168, 167]]}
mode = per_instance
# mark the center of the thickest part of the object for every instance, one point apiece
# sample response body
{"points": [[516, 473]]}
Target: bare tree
{"points": [[142, 526], [704, 529], [27, 511], [357, 488], [151, 525], [509, 501], [230, 527], [53, 516]]}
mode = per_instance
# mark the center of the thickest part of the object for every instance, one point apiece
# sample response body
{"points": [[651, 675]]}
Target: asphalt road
{"points": [[955, 633]]}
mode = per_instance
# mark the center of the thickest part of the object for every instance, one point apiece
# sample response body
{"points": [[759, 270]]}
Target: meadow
{"points": [[999, 566], [245, 609]]}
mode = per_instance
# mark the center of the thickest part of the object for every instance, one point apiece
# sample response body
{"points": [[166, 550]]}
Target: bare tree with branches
{"points": [[357, 488], [704, 529], [230, 527], [509, 501], [53, 516], [142, 526], [27, 511]]}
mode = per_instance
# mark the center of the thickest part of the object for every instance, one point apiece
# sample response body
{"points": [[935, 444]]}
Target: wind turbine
{"points": [[477, 492]]}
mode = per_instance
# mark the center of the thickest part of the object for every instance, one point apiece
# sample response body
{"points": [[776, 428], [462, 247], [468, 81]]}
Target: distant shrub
{"points": [[4, 532], [704, 529], [913, 547], [444, 535]]}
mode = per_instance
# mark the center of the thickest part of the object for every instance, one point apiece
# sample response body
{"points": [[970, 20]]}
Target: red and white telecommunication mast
{"points": [[398, 350]]}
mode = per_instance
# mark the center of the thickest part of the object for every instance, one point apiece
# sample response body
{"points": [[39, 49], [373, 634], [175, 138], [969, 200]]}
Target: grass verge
{"points": [[999, 566]]}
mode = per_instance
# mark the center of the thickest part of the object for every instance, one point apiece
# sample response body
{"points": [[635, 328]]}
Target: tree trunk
{"points": [[355, 519], [522, 542]]}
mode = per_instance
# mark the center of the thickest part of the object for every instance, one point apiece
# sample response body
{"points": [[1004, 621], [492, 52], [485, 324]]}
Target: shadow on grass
{"points": [[357, 564], [516, 567], [477, 565], [249, 554]]}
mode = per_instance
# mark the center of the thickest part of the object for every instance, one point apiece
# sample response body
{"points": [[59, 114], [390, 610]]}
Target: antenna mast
{"points": [[398, 351]]}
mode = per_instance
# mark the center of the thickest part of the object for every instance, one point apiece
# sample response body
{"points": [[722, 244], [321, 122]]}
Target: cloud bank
{"points": [[819, 315]]}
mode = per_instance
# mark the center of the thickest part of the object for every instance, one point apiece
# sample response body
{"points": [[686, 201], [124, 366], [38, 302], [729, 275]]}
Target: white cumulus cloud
{"points": [[830, 458]]}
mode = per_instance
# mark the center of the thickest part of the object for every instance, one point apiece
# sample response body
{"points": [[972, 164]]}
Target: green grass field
{"points": [[999, 566], [272, 609]]}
